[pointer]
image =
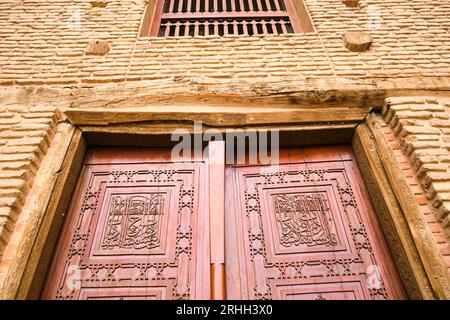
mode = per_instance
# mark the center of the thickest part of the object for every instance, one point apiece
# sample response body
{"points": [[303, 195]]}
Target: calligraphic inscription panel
{"points": [[306, 230], [135, 230]]}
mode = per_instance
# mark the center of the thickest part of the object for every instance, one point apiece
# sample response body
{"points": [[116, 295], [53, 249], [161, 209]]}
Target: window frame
{"points": [[296, 12]]}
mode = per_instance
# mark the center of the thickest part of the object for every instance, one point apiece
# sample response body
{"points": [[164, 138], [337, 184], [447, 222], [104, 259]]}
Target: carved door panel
{"points": [[305, 230], [137, 228]]}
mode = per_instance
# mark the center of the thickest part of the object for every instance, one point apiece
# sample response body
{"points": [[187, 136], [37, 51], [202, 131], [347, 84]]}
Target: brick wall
{"points": [[42, 45], [41, 41], [422, 126], [409, 150], [25, 133]]}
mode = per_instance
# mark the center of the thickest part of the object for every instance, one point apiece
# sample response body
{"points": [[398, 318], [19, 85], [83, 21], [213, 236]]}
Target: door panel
{"points": [[305, 230], [140, 227], [137, 228]]}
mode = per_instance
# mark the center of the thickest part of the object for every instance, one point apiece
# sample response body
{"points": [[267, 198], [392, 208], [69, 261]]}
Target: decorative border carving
{"points": [[409, 236]]}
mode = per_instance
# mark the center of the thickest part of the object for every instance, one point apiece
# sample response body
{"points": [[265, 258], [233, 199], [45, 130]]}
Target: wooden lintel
{"points": [[216, 117]]}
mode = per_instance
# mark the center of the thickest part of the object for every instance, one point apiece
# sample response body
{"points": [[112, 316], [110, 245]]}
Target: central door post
{"points": [[216, 159]]}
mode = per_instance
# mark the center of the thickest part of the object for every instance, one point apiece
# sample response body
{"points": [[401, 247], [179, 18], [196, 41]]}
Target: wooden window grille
{"points": [[178, 18]]}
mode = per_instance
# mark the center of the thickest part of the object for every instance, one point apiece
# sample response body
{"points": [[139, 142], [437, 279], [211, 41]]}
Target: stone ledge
{"points": [[98, 47], [351, 3], [357, 41]]}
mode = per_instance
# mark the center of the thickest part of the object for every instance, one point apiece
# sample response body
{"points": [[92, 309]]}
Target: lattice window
{"points": [[178, 18]]}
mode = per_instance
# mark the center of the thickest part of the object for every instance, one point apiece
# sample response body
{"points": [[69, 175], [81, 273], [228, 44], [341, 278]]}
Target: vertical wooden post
{"points": [[217, 218], [156, 21]]}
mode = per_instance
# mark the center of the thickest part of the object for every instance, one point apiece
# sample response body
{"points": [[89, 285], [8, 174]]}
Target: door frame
{"points": [[416, 254]]}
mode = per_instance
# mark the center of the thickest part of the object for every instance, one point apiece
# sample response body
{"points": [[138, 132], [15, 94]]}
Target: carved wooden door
{"points": [[137, 228], [141, 226], [305, 230]]}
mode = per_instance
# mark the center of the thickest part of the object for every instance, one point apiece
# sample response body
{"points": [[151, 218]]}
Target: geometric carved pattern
{"points": [[136, 229], [308, 234], [131, 231]]}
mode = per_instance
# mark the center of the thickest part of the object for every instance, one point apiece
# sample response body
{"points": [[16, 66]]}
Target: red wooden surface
{"points": [[175, 18], [216, 162], [137, 228], [305, 231], [143, 227]]}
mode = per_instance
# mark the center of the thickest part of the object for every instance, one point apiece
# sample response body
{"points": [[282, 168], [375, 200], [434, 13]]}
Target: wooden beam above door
{"points": [[218, 116]]}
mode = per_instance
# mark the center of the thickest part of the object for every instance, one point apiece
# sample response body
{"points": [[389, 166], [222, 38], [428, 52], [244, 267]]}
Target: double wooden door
{"points": [[142, 226]]}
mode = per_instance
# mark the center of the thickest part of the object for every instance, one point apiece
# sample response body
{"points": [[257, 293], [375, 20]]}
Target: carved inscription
{"points": [[133, 222], [303, 219]]}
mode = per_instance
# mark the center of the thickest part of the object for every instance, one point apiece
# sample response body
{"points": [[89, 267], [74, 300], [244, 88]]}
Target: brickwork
{"points": [[422, 126], [410, 164], [44, 42], [43, 47], [25, 133]]}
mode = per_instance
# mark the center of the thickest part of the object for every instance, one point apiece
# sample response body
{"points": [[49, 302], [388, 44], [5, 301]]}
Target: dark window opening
{"points": [[191, 18]]}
